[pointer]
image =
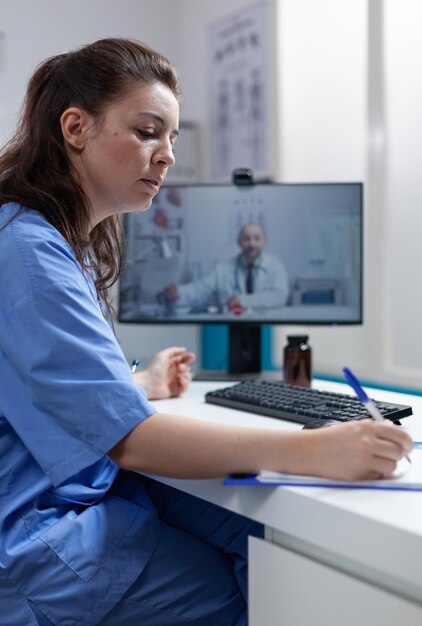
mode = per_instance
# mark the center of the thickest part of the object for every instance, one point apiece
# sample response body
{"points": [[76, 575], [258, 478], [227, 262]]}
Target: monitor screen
{"points": [[250, 254]]}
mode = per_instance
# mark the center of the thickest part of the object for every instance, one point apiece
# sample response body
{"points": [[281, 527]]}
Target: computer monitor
{"points": [[245, 256]]}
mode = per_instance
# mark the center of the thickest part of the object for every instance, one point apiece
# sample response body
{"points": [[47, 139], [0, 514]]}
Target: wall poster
{"points": [[239, 88]]}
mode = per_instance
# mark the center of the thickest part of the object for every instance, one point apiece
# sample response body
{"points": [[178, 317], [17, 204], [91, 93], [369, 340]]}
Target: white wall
{"points": [[323, 98], [403, 192], [33, 31], [351, 102]]}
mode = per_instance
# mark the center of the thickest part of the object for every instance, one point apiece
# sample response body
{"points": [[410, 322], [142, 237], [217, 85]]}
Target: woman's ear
{"points": [[74, 123]]}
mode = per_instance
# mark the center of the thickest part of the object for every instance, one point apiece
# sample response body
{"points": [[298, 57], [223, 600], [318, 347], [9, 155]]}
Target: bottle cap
{"points": [[296, 340]]}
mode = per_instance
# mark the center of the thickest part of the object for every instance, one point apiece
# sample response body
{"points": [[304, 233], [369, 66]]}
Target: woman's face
{"points": [[123, 158]]}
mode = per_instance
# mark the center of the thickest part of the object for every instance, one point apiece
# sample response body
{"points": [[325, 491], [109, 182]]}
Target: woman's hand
{"points": [[358, 450], [168, 374]]}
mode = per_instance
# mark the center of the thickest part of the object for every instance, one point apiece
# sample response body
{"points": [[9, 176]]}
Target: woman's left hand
{"points": [[168, 374]]}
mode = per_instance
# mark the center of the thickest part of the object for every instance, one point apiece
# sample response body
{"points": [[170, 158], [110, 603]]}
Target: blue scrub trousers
{"points": [[197, 575]]}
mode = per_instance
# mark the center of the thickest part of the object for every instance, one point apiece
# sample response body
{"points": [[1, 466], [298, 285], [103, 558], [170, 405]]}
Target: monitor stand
{"points": [[244, 358]]}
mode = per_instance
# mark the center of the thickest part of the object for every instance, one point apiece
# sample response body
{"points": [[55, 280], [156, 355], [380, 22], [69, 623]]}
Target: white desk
{"points": [[332, 557]]}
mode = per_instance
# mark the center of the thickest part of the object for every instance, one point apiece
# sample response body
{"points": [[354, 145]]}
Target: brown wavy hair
{"points": [[34, 169]]}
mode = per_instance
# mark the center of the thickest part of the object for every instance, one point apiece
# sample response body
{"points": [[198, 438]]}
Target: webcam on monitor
{"points": [[242, 176]]}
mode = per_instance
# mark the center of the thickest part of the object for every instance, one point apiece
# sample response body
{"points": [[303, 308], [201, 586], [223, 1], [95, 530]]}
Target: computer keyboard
{"points": [[298, 404]]}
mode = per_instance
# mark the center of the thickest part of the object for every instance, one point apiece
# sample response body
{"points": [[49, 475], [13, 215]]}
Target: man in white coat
{"points": [[252, 279]]}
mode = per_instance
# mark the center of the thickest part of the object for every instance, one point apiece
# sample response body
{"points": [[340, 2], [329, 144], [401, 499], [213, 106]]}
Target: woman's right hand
{"points": [[358, 450]]}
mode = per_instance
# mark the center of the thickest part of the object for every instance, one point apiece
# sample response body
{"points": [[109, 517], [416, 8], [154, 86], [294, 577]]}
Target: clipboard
{"points": [[408, 478]]}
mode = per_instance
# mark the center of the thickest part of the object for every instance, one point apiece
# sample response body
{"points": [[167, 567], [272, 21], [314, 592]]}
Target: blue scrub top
{"points": [[75, 532]]}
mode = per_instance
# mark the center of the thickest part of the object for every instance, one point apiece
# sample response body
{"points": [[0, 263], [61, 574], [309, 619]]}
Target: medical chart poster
{"points": [[239, 92]]}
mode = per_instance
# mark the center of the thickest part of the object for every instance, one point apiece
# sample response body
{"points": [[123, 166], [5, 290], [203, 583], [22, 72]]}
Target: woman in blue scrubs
{"points": [[83, 539]]}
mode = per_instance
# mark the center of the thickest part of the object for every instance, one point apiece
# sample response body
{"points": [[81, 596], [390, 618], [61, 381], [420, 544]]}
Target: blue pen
{"points": [[361, 394], [135, 364]]}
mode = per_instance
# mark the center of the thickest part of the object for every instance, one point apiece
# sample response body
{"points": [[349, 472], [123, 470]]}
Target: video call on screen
{"points": [[191, 233]]}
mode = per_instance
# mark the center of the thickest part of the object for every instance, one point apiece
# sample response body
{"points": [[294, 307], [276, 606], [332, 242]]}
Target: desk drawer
{"points": [[288, 589]]}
